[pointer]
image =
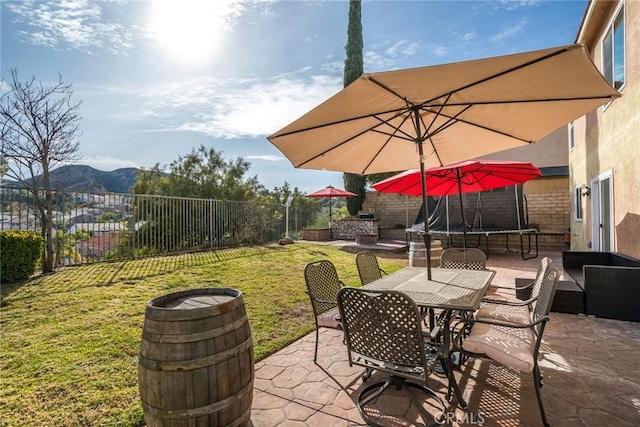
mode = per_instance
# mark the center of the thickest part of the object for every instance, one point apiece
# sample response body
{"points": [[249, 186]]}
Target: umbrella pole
{"points": [[464, 221], [427, 234], [330, 223]]}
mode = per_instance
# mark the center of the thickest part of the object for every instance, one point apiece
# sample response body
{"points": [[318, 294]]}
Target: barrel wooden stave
{"points": [[199, 371], [417, 254]]}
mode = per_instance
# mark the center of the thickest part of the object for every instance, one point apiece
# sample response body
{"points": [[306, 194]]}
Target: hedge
{"points": [[20, 252]]}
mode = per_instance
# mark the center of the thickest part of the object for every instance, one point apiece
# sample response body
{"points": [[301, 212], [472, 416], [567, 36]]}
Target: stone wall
{"points": [[346, 229], [392, 210], [549, 202]]}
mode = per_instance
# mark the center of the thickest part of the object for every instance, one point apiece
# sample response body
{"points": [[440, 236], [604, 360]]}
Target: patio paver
{"points": [[590, 368]]}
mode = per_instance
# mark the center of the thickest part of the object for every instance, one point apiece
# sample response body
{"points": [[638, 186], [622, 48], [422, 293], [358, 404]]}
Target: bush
{"points": [[21, 251]]}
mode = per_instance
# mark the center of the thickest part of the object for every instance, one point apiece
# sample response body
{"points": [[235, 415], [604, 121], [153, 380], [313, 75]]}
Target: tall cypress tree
{"points": [[353, 68]]}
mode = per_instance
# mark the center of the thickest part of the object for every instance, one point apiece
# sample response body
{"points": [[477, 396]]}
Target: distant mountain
{"points": [[86, 178]]}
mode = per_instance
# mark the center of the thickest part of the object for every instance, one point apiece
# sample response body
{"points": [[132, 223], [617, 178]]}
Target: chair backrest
{"points": [[543, 268], [546, 294], [383, 331], [368, 267], [467, 258], [323, 285]]}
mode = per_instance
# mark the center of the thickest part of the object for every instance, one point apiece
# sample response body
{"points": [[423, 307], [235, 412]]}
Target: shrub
{"points": [[20, 253]]}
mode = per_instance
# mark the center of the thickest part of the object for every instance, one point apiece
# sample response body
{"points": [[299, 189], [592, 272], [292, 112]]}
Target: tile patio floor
{"points": [[591, 370]]}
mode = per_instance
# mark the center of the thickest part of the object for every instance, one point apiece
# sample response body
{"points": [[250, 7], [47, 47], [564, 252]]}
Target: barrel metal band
{"points": [[189, 365], [198, 336], [181, 414], [173, 315]]}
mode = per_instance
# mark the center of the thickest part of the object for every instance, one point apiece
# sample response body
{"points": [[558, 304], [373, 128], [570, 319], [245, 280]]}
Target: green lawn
{"points": [[68, 354]]}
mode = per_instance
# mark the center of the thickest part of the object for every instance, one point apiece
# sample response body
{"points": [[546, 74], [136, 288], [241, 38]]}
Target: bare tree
{"points": [[39, 130]]}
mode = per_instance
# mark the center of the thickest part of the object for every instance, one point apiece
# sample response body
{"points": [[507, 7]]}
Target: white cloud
{"points": [[233, 108], [468, 36], [268, 158], [108, 163], [85, 25], [517, 4], [333, 67], [373, 61], [389, 54], [75, 24], [403, 48], [509, 32], [440, 51]]}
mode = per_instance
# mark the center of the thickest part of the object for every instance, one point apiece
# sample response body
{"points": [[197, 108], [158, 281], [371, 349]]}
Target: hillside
{"points": [[86, 178]]}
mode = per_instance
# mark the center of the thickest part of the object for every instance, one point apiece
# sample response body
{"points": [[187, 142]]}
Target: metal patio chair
{"points": [[323, 285], [513, 344], [368, 267], [468, 258], [514, 309], [383, 333]]}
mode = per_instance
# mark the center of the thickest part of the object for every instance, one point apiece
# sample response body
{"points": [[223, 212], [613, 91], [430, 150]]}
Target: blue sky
{"points": [[158, 78]]}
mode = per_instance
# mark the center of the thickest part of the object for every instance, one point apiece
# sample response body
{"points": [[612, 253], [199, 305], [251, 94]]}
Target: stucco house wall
{"points": [[608, 139]]}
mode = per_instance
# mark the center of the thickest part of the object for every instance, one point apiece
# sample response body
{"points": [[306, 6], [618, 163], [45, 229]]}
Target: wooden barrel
{"points": [[417, 254], [195, 365]]}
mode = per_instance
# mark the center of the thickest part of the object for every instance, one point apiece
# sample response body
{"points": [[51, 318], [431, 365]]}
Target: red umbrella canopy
{"points": [[466, 177], [330, 191]]}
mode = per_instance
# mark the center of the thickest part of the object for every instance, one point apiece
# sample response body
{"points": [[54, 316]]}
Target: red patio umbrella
{"points": [[462, 177], [331, 192]]}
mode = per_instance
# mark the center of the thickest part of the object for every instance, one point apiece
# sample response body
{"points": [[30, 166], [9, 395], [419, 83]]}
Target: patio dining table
{"points": [[448, 289], [451, 290]]}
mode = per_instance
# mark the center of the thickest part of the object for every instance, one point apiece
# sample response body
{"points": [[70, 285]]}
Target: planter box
{"points": [[316, 234]]}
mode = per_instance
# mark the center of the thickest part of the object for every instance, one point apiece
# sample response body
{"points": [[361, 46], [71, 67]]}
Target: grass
{"points": [[68, 355]]}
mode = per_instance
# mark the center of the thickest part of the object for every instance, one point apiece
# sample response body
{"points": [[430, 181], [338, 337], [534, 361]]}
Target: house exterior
{"points": [[97, 247], [604, 145]]}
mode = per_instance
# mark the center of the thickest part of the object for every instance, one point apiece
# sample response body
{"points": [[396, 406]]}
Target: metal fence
{"points": [[91, 227]]}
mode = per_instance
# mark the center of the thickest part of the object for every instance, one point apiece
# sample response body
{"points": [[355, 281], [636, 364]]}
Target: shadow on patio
{"points": [[589, 367]]}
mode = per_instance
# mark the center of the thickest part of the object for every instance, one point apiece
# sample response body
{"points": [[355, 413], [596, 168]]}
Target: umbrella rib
{"points": [[428, 105], [370, 129], [390, 135], [504, 72], [398, 111], [395, 128], [435, 117], [371, 78], [453, 119]]}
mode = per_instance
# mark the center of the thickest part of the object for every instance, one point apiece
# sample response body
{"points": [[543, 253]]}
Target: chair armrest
{"points": [[511, 325], [514, 288], [508, 302]]}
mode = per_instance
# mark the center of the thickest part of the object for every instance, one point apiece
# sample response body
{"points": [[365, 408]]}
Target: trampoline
{"points": [[495, 213]]}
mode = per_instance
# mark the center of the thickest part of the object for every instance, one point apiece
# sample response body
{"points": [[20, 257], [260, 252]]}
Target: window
{"points": [[613, 51], [577, 197], [571, 136]]}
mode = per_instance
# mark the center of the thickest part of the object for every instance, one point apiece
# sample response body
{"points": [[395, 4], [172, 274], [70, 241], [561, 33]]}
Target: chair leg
{"points": [[429, 419], [537, 379], [453, 385], [377, 390], [315, 354]]}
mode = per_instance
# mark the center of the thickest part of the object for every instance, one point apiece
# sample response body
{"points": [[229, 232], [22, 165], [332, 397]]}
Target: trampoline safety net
{"points": [[494, 210]]}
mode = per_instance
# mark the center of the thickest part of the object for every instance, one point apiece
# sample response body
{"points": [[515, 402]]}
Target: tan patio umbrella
{"points": [[433, 116]]}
